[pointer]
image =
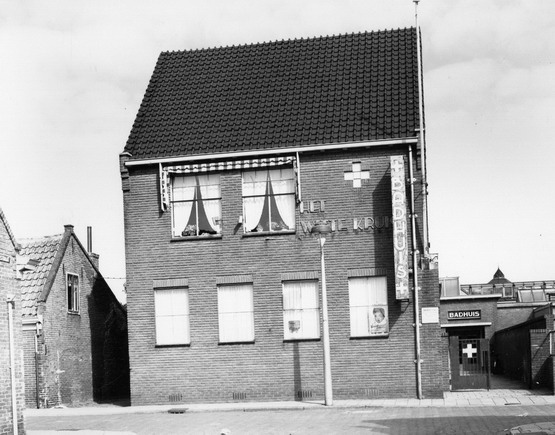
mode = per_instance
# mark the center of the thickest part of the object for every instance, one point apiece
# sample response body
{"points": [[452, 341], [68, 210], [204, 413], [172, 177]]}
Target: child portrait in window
{"points": [[378, 324]]}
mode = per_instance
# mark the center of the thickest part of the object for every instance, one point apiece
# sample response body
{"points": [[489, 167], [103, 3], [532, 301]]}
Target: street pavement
{"points": [[482, 412]]}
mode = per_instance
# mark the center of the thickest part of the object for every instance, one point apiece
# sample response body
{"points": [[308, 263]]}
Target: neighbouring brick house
{"points": [[10, 303], [236, 154], [75, 338]]}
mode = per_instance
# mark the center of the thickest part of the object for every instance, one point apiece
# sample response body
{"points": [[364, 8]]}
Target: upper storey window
{"points": [[196, 205], [269, 200], [72, 287]]}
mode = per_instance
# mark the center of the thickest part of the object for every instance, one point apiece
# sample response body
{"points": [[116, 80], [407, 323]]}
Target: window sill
{"points": [[227, 343], [269, 233], [296, 340], [74, 313], [188, 238], [161, 346], [366, 337]]}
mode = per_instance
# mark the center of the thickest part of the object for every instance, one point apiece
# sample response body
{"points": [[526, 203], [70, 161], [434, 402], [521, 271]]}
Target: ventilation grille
{"points": [[371, 392], [239, 396], [178, 397], [304, 394]]}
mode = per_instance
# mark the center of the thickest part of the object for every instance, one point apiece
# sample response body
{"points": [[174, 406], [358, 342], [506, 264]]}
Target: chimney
{"points": [[89, 240], [94, 257]]}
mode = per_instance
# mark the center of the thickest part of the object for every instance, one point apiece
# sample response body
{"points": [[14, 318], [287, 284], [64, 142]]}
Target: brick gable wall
{"points": [[81, 358], [9, 286], [271, 369]]}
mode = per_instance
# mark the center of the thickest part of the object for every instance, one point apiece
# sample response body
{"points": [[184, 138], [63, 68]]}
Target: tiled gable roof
{"points": [[41, 251], [347, 88]]}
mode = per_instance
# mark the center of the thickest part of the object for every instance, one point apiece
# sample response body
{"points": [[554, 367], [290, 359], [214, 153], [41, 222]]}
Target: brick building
{"points": [[236, 154], [10, 354], [74, 329], [513, 319]]}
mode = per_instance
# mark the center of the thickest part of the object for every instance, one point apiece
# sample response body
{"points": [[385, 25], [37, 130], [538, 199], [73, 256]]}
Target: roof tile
{"points": [[43, 250], [271, 95]]}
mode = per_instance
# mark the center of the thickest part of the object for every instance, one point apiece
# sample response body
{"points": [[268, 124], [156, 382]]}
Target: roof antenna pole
{"points": [[422, 137]]}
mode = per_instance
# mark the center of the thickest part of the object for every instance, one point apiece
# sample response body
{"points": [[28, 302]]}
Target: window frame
{"points": [[73, 299], [195, 208], [223, 325], [292, 193], [369, 310], [174, 318], [288, 333]]}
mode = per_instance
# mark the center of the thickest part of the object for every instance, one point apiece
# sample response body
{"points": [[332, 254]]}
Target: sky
{"points": [[73, 74]]}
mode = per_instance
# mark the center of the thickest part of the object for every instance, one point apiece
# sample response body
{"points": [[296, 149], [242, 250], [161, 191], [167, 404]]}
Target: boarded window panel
{"points": [[236, 313], [171, 307]]}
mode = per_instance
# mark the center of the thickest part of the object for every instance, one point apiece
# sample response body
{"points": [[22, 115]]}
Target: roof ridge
{"points": [[4, 220], [53, 236], [283, 40]]}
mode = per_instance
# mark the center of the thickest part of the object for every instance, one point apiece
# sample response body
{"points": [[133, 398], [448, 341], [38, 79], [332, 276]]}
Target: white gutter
{"points": [[11, 302], [418, 361], [274, 151]]}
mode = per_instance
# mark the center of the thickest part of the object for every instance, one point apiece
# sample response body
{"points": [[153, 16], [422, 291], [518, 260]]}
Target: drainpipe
{"points": [[415, 282], [11, 303], [422, 136], [37, 364]]}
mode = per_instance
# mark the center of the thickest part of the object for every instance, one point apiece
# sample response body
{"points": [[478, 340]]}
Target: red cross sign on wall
{"points": [[357, 174]]}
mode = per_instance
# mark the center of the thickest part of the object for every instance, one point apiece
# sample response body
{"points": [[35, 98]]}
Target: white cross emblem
{"points": [[470, 351], [357, 175]]}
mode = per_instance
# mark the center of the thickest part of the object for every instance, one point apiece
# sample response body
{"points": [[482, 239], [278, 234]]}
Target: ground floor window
{"points": [[236, 313], [368, 306], [172, 316], [301, 310]]}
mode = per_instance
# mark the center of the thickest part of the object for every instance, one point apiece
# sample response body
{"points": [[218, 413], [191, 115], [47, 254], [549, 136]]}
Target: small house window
{"points": [[72, 282], [171, 307], [301, 310], [236, 313], [269, 200], [368, 306], [196, 205]]}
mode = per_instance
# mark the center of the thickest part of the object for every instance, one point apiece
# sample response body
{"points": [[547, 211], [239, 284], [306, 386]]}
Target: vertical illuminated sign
{"points": [[399, 220]]}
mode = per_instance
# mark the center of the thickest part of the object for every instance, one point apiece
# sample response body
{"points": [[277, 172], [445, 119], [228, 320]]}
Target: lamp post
{"points": [[322, 230]]}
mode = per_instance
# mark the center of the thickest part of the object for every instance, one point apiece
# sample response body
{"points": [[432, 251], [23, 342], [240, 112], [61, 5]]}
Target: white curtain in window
{"points": [[301, 318], [366, 294], [236, 313], [183, 189], [209, 189], [254, 183], [283, 181], [171, 308]]}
